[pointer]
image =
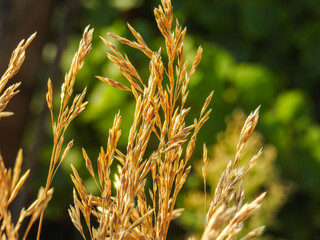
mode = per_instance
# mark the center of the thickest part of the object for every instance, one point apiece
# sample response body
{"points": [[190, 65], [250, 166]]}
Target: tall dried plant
{"points": [[127, 215], [10, 180], [225, 217], [263, 176], [66, 113], [160, 111]]}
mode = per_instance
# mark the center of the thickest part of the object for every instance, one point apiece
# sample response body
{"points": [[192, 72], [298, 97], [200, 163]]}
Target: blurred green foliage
{"points": [[255, 52]]}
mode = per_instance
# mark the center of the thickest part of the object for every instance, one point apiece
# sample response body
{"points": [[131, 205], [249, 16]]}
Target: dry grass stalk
{"points": [[127, 215], [226, 214], [16, 60], [66, 113], [10, 180], [10, 184]]}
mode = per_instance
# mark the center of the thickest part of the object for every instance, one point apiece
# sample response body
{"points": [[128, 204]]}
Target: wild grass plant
{"points": [[125, 208], [263, 176], [9, 179]]}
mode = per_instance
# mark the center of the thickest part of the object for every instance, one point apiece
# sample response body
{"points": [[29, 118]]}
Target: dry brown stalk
{"points": [[10, 180], [10, 184], [128, 215], [66, 113], [226, 214], [16, 60]]}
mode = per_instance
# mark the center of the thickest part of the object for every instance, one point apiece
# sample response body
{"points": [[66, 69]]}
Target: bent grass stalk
{"points": [[10, 180], [224, 219], [16, 60], [66, 113]]}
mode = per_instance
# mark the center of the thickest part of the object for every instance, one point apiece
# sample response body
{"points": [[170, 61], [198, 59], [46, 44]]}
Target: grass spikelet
{"points": [[17, 169], [113, 83], [18, 186], [204, 173]]}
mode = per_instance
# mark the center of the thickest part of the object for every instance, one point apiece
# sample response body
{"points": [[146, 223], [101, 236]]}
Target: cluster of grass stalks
{"points": [[10, 180], [135, 212], [10, 183], [263, 176], [226, 207]]}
